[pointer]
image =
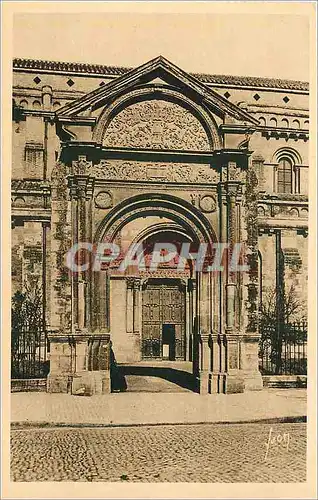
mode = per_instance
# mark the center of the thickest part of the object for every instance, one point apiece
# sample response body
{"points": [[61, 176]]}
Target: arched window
{"points": [[284, 176]]}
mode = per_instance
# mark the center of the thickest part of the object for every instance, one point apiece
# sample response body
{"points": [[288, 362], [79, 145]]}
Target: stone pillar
{"points": [[60, 330], [250, 300], [62, 361], [136, 306], [202, 331], [130, 305], [93, 359], [81, 190], [80, 358], [233, 379], [133, 315], [191, 312]]}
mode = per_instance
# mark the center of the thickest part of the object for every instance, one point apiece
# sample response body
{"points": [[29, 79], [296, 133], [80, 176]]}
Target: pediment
{"points": [[157, 73]]}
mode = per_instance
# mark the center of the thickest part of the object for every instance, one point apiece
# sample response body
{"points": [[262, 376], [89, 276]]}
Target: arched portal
{"points": [[151, 305]]}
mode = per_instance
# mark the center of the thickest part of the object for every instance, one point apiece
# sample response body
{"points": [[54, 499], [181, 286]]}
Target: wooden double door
{"points": [[163, 319]]}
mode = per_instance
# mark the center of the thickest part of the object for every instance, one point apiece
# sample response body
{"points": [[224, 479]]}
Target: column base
{"points": [[233, 383], [89, 383], [204, 380], [59, 383], [253, 380]]}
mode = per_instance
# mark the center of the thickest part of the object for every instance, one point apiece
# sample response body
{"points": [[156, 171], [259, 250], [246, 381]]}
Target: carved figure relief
{"points": [[233, 172], [104, 200], [207, 204], [156, 124], [81, 166], [165, 172]]}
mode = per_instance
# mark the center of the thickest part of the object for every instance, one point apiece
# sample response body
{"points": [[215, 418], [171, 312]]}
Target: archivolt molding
{"points": [[175, 209], [150, 94], [158, 228], [286, 152]]}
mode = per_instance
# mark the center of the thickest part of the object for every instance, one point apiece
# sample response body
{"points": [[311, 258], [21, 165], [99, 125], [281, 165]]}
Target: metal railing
{"points": [[286, 353], [29, 354]]}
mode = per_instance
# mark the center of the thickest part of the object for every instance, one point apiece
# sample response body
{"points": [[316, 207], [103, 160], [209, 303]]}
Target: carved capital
{"points": [[232, 190], [133, 283], [81, 166], [233, 171], [137, 284], [81, 187]]}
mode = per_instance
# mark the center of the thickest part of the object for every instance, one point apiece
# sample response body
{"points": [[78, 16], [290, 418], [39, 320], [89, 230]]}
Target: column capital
{"points": [[81, 187], [133, 283], [205, 337]]}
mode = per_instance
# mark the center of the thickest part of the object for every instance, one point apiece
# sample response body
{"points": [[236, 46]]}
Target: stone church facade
{"points": [[155, 154]]}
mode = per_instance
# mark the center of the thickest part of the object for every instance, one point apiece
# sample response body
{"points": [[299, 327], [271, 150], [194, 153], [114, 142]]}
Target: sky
{"points": [[233, 44]]}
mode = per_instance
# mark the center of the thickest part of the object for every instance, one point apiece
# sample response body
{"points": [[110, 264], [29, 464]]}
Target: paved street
{"points": [[166, 453]]}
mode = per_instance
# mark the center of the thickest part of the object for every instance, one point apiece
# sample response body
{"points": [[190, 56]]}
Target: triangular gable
{"points": [[162, 69]]}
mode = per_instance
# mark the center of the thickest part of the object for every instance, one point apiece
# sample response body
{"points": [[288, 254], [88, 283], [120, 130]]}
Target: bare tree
{"points": [[279, 309]]}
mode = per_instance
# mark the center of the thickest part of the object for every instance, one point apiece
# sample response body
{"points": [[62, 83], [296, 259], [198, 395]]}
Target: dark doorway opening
{"points": [[169, 342]]}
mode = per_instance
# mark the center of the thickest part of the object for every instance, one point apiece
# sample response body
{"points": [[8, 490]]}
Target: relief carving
{"points": [[165, 172], [29, 185], [206, 203], [156, 124], [104, 200], [81, 166], [233, 172]]}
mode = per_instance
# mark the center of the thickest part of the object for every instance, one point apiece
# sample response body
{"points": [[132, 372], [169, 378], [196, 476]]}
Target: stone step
{"points": [[152, 378], [136, 383]]}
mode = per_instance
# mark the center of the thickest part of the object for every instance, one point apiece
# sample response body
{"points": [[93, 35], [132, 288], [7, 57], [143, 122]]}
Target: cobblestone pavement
{"points": [[185, 453]]}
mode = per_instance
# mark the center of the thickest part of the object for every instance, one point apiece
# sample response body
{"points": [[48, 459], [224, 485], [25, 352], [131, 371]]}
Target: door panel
{"points": [[162, 303]]}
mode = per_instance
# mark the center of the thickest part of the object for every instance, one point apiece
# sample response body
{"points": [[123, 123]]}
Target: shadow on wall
{"points": [[117, 378]]}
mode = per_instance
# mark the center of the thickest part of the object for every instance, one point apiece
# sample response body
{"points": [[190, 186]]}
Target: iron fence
{"points": [[284, 353], [29, 354]]}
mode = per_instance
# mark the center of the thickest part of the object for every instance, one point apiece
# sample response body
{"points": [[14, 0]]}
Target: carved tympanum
{"points": [[156, 124]]}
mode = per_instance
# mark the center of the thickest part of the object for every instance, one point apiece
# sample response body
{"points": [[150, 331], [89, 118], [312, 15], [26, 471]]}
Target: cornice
{"points": [[83, 69]]}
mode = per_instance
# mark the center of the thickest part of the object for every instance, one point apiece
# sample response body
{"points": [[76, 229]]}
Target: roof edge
{"points": [[113, 71]]}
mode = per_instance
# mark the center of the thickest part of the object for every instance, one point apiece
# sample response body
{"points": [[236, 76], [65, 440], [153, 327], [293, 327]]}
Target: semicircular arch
{"points": [[136, 96], [179, 211], [287, 152]]}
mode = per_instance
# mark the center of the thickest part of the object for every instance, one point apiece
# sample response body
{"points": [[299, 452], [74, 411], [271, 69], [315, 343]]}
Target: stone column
{"points": [[233, 379], [133, 315], [81, 190], [137, 319], [248, 358], [136, 306], [130, 305], [192, 301], [60, 296], [202, 331]]}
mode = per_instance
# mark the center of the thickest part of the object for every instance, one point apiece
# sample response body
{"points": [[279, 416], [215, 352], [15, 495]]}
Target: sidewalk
{"points": [[44, 409]]}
